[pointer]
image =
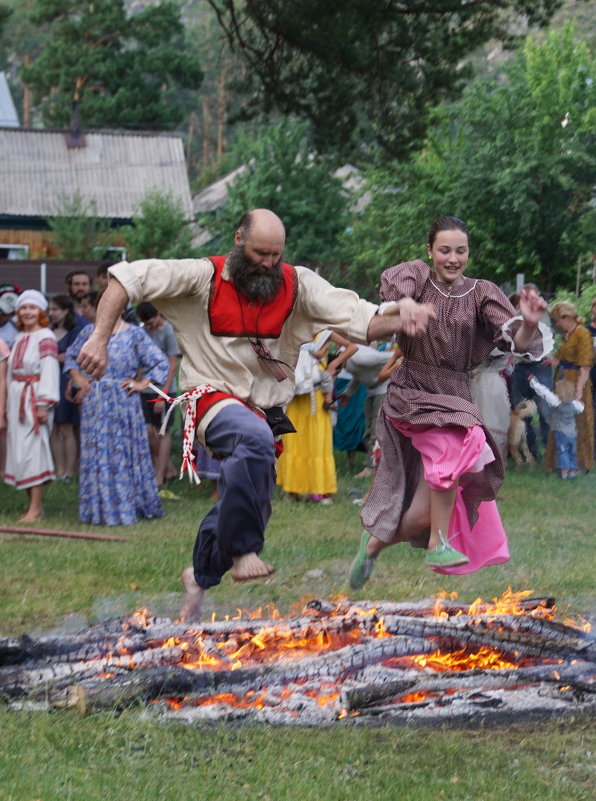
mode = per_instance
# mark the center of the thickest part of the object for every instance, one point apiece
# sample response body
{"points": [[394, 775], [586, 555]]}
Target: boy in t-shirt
{"points": [[162, 333]]}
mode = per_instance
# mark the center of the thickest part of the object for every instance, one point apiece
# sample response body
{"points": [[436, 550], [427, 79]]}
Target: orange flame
{"points": [[582, 624], [438, 607], [510, 603], [484, 658]]}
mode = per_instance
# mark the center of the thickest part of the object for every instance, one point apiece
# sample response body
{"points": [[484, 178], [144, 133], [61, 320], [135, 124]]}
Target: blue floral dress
{"points": [[117, 483]]}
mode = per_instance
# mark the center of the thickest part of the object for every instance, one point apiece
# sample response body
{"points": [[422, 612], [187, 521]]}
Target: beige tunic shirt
{"points": [[180, 290]]}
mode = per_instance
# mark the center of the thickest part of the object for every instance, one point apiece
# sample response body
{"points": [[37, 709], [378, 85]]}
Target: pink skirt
{"points": [[447, 454]]}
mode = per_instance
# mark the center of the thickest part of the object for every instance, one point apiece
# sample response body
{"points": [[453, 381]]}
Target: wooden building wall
{"points": [[39, 242], [28, 273]]}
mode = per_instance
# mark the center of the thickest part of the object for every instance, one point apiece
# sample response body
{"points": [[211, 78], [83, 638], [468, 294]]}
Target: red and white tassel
{"points": [[190, 423]]}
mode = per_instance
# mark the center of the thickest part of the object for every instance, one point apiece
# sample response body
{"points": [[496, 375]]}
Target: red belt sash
{"points": [[28, 381]]}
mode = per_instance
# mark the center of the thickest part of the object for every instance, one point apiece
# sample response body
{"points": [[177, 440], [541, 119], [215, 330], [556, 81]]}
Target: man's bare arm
{"points": [[93, 357]]}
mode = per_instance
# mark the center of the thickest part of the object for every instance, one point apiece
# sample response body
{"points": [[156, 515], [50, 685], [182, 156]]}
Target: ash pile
{"points": [[429, 661]]}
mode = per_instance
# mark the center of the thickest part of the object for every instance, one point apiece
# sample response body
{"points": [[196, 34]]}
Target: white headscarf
{"points": [[34, 297]]}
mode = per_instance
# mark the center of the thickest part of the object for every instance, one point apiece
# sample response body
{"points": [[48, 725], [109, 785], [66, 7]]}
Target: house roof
{"points": [[215, 195], [114, 169]]}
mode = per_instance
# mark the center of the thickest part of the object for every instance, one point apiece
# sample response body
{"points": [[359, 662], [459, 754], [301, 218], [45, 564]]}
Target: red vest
{"points": [[232, 315]]}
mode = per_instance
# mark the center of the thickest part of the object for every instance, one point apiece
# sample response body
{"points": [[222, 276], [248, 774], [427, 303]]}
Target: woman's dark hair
{"points": [[445, 224], [92, 297], [65, 303]]}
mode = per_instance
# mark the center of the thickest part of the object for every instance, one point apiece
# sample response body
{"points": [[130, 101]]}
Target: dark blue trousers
{"points": [[236, 524]]}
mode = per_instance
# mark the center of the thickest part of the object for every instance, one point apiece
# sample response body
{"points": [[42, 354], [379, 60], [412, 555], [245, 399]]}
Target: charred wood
{"points": [[479, 680]]}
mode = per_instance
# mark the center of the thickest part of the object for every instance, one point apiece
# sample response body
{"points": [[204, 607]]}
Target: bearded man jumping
{"points": [[239, 321]]}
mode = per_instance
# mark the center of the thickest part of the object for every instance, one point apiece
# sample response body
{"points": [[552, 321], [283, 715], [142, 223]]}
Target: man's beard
{"points": [[257, 283]]}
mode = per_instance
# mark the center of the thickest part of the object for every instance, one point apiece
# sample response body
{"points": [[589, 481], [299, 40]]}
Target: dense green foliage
{"points": [[125, 71], [77, 230], [365, 73], [514, 158], [159, 229], [582, 302], [284, 173], [5, 13]]}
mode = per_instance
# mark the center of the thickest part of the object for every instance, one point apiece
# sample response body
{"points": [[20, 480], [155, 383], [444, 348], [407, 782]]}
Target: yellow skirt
{"points": [[307, 465]]}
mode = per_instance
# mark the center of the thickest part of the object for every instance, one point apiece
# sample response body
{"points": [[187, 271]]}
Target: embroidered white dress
{"points": [[33, 377]]}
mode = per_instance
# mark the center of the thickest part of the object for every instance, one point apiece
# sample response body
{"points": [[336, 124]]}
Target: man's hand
{"points": [[406, 315], [93, 358], [415, 317]]}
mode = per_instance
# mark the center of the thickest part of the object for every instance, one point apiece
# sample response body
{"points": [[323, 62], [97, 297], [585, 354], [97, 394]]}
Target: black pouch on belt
{"points": [[279, 422]]}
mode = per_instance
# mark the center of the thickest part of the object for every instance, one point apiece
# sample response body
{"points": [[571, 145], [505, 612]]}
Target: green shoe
{"points": [[444, 555], [363, 565]]}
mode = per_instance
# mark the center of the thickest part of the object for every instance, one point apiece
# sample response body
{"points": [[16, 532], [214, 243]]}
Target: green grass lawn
{"points": [[50, 583]]}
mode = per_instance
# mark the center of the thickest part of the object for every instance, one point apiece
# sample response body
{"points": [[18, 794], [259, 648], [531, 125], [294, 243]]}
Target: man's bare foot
{"points": [[248, 566], [191, 608], [31, 516]]}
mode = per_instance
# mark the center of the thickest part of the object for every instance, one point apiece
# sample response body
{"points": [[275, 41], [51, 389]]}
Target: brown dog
{"points": [[516, 436]]}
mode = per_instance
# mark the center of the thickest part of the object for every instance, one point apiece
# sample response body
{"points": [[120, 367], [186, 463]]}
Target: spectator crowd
{"points": [[58, 424]]}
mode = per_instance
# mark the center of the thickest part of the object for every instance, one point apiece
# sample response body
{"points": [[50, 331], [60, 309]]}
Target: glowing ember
{"points": [[418, 697]]}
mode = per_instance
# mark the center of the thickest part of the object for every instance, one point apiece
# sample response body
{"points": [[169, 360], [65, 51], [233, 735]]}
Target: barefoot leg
{"points": [[35, 510], [248, 566], [191, 608]]}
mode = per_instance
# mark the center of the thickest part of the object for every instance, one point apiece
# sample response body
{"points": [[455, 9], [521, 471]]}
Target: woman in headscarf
{"points": [[33, 392]]}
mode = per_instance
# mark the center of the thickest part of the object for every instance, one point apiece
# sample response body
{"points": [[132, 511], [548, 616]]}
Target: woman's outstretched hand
{"points": [[532, 306]]}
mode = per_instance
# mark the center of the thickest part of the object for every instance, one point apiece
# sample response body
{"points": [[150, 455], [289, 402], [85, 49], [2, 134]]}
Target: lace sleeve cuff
{"points": [[540, 346]]}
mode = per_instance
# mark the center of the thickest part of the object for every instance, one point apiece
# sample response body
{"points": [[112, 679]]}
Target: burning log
{"points": [[16, 682], [537, 639], [151, 684], [369, 695], [446, 607], [425, 660]]}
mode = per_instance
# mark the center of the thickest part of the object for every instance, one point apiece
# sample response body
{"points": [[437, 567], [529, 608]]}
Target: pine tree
{"points": [[365, 72], [122, 71]]}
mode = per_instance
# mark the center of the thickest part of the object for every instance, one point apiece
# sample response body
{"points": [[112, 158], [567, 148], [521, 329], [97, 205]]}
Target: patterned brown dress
{"points": [[577, 351], [432, 387]]}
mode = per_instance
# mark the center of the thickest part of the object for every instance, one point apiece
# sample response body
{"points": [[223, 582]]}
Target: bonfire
{"points": [[333, 662]]}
